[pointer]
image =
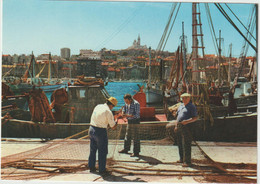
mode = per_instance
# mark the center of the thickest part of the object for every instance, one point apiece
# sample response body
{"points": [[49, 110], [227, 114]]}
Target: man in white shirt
{"points": [[101, 117]]}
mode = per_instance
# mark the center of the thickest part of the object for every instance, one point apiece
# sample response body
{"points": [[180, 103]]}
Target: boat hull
{"points": [[153, 96], [24, 87], [233, 128]]}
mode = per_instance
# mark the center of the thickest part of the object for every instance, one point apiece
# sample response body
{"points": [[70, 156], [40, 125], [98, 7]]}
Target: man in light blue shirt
{"points": [[131, 111]]}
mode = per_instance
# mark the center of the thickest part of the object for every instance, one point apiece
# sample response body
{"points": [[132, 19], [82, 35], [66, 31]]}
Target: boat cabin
{"points": [[82, 101]]}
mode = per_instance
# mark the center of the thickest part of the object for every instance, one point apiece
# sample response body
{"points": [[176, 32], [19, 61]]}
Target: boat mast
{"points": [[183, 48], [49, 71], [33, 69], [195, 75], [33, 66], [219, 57], [196, 23], [256, 63], [229, 63], [149, 69]]}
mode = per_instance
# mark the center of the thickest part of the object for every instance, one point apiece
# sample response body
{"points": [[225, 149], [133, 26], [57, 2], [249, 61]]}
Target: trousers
{"points": [[132, 133], [98, 142], [184, 140]]}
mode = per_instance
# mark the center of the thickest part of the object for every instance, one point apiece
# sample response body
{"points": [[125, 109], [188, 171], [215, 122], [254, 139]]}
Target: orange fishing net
{"points": [[158, 157], [39, 107]]}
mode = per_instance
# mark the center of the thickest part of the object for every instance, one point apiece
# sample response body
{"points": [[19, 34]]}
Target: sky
{"points": [[44, 26]]}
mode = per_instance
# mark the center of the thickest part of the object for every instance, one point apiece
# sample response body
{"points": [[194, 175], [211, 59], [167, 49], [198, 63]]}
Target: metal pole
{"points": [[149, 69], [229, 63], [219, 56], [184, 47], [49, 73]]}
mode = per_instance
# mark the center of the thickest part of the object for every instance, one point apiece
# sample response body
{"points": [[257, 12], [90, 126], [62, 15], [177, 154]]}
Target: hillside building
{"points": [[65, 53]]}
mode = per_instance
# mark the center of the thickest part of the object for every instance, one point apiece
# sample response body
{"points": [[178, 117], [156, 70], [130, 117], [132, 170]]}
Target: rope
{"points": [[8, 72], [76, 134], [171, 27], [240, 22], [233, 24], [40, 71], [246, 46], [6, 118], [120, 28], [159, 47], [117, 139], [213, 34], [215, 164]]}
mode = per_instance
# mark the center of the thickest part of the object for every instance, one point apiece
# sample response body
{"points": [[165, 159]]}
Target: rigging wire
{"points": [[213, 34], [169, 33], [119, 28], [233, 24], [251, 25], [166, 27], [247, 45], [159, 47], [240, 21]]}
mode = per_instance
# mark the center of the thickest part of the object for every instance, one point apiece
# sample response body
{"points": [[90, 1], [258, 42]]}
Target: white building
{"points": [[137, 44], [88, 53]]}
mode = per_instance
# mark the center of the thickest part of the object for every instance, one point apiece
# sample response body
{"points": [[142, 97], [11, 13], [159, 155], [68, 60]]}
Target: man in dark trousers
{"points": [[101, 117], [186, 113], [131, 111]]}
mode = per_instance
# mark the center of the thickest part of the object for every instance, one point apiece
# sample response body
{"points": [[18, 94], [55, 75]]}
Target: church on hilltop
{"points": [[137, 44]]}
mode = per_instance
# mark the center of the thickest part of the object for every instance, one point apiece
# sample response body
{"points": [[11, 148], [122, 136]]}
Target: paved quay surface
{"points": [[156, 163]]}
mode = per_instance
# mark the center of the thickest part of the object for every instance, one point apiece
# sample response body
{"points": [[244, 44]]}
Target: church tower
{"points": [[138, 40]]}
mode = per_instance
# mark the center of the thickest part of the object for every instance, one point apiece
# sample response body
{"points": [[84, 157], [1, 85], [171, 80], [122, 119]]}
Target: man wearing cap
{"points": [[101, 117], [186, 114], [131, 111]]}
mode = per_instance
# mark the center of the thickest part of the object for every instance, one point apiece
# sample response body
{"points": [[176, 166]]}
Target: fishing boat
{"points": [[75, 115], [30, 80], [154, 94], [72, 108], [230, 117]]}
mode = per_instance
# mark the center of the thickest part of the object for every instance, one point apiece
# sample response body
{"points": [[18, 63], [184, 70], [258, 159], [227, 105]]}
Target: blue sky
{"points": [[45, 26]]}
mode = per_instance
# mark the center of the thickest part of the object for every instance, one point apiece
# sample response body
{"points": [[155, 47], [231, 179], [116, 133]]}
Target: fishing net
{"points": [[158, 157]]}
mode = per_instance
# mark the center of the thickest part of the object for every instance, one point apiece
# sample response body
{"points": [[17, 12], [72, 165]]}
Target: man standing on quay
{"points": [[186, 114], [101, 117], [131, 111]]}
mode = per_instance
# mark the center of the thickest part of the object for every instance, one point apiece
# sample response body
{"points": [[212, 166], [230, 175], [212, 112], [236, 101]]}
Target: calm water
{"points": [[118, 90]]}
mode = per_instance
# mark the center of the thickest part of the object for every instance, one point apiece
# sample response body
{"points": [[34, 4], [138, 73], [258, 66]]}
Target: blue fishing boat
{"points": [[30, 80]]}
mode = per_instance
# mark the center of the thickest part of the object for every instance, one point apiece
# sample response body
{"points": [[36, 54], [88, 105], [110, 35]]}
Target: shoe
{"points": [[179, 161], [134, 155], [92, 170], [105, 173], [187, 165], [123, 151]]}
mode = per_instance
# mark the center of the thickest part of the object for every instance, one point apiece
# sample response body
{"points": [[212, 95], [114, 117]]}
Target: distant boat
{"points": [[31, 80], [153, 95], [152, 90]]}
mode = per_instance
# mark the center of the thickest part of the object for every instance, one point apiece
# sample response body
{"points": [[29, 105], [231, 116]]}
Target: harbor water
{"points": [[117, 90]]}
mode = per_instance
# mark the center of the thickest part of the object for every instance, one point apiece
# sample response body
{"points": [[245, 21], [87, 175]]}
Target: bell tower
{"points": [[138, 40]]}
